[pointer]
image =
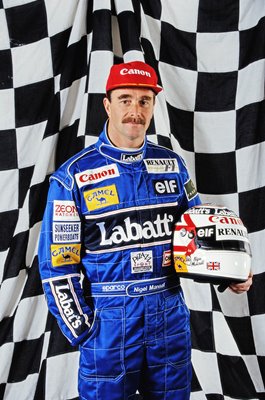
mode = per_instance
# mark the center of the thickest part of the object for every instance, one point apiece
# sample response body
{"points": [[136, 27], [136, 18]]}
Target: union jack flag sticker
{"points": [[213, 265]]}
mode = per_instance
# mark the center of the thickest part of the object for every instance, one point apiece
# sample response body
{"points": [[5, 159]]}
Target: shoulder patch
{"points": [[190, 189]]}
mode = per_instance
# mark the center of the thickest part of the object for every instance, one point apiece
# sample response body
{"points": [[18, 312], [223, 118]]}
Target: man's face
{"points": [[130, 111]]}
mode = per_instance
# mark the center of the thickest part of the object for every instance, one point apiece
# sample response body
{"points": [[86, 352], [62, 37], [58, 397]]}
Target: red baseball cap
{"points": [[132, 74]]}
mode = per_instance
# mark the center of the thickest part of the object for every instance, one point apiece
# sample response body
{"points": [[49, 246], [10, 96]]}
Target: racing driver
{"points": [[105, 252]]}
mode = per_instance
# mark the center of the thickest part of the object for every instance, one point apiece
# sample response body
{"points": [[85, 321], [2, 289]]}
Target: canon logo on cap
{"points": [[131, 71]]}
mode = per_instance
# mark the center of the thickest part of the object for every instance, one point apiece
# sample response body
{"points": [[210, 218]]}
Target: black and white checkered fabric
{"points": [[55, 56]]}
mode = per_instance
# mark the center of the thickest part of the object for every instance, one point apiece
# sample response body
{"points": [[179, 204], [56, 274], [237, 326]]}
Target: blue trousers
{"points": [[137, 343]]}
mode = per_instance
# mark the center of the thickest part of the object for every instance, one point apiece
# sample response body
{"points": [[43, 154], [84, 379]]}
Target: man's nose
{"points": [[134, 109]]}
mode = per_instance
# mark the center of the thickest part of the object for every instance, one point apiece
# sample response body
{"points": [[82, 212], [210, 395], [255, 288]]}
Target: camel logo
{"points": [[65, 254], [180, 263], [101, 197]]}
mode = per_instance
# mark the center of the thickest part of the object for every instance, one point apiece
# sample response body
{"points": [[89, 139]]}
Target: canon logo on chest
{"points": [[91, 176]]}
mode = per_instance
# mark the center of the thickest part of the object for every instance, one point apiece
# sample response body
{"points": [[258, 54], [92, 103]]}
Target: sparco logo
{"points": [[133, 231], [69, 310], [132, 71], [96, 175]]}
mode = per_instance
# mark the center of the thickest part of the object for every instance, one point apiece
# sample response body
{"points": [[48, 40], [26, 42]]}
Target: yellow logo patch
{"points": [[101, 197], [180, 263], [65, 254]]}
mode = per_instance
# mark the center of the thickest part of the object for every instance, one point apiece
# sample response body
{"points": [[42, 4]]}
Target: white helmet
{"points": [[211, 243]]}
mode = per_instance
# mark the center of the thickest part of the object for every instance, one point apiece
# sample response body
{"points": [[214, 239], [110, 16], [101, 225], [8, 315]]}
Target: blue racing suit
{"points": [[106, 268]]}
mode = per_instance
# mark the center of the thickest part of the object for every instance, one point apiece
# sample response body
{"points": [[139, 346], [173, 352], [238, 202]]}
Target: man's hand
{"points": [[239, 288]]}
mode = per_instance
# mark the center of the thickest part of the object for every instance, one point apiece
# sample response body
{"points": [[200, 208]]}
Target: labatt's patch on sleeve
{"points": [[65, 254], [190, 189]]}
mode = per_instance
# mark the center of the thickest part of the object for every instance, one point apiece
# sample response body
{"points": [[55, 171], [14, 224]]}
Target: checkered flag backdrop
{"points": [[54, 60]]}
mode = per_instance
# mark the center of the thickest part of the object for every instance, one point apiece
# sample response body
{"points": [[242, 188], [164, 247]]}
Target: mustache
{"points": [[137, 120]]}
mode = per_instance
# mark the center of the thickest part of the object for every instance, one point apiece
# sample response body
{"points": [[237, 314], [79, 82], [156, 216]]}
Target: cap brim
{"points": [[155, 89]]}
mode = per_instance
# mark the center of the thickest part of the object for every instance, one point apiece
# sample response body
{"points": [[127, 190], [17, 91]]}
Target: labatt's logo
{"points": [[68, 309], [96, 175], [132, 231]]}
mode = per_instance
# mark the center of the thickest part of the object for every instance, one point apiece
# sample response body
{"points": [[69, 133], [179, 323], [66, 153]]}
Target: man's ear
{"points": [[106, 104]]}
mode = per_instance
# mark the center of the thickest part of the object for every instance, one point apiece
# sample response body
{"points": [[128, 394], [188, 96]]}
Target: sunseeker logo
{"points": [[96, 175]]}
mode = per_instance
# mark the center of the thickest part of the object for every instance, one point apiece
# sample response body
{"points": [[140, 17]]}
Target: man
{"points": [[110, 214]]}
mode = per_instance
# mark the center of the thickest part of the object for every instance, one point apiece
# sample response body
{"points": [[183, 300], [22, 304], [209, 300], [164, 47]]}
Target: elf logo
{"points": [[166, 186]]}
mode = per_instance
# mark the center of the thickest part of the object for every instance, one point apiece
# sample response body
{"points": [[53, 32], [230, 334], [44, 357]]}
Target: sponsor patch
{"points": [[68, 306], [65, 210], [66, 232], [91, 176], [65, 254], [232, 233], [190, 189], [101, 197], [165, 186], [167, 258], [131, 157], [180, 263], [157, 166], [130, 232], [206, 232], [142, 261]]}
